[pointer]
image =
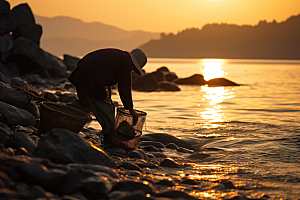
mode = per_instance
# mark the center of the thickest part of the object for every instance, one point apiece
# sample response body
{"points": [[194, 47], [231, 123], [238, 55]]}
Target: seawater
{"points": [[256, 125]]}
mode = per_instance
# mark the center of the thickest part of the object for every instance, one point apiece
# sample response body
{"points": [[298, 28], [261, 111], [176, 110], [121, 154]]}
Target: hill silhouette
{"points": [[262, 41], [66, 35]]}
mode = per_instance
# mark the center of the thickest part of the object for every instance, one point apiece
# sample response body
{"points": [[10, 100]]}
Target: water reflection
{"points": [[214, 96]]}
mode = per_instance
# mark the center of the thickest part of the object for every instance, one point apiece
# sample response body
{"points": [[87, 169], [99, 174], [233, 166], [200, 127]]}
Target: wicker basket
{"points": [[55, 115]]}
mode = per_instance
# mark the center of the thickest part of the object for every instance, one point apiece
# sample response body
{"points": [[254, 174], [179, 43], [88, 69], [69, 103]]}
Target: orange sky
{"points": [[165, 15]]}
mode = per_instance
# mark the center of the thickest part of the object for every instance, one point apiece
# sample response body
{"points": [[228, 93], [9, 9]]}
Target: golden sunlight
{"points": [[215, 96], [212, 68]]}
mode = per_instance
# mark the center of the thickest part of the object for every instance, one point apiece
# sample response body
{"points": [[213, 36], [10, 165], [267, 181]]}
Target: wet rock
{"points": [[133, 173], [140, 154], [150, 155], [165, 139], [26, 26], [18, 99], [70, 61], [168, 182], [64, 147], [144, 164], [173, 194], [152, 143], [198, 156], [172, 146], [196, 79], [218, 187], [150, 148], [20, 139], [159, 155], [95, 168], [184, 150], [128, 185], [169, 163], [146, 83], [221, 82], [22, 151], [91, 185], [227, 183], [167, 86], [131, 166], [37, 174], [15, 116]]}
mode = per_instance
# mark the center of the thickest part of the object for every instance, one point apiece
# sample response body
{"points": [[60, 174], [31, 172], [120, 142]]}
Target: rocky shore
{"points": [[61, 164]]}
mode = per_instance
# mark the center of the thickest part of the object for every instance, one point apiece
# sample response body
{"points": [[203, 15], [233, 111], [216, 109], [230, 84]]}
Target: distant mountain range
{"points": [[66, 35], [262, 41]]}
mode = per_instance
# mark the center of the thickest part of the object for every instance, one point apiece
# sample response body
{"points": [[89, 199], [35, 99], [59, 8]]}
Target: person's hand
{"points": [[134, 115]]}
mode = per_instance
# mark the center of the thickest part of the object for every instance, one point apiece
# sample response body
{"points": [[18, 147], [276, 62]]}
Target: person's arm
{"points": [[135, 116]]}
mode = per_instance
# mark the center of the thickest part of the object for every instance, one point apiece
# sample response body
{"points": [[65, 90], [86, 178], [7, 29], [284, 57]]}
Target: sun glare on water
{"points": [[212, 68], [213, 97]]}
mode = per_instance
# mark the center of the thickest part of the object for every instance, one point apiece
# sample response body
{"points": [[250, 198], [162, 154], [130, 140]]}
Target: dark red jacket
{"points": [[105, 67]]}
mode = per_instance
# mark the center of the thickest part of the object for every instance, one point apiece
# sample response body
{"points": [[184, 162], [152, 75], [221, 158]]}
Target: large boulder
{"points": [[221, 82], [6, 43], [170, 76], [64, 147], [7, 21], [167, 86], [18, 99], [26, 26], [32, 59], [146, 83], [196, 79], [70, 61], [15, 116], [158, 75]]}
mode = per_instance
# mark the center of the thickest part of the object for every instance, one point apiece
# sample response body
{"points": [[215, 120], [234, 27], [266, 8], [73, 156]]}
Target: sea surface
{"points": [[253, 130]]}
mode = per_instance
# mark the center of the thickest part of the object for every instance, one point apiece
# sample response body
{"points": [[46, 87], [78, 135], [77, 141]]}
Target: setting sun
{"points": [[212, 68]]}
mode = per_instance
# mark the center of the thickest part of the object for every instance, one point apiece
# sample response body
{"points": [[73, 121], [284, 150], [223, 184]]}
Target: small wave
{"points": [[271, 110]]}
